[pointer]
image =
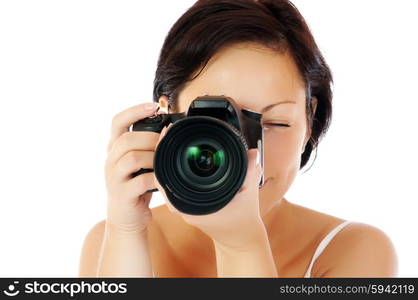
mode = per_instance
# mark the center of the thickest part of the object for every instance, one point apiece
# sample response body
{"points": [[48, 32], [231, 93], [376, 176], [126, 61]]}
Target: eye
{"points": [[277, 124]]}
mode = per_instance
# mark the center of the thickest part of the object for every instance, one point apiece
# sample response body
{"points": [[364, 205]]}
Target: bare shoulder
{"points": [[166, 235], [358, 250], [91, 250], [167, 228]]}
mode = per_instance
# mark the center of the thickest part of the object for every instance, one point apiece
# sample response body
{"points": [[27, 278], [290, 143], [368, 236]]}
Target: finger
{"points": [[131, 162], [123, 120], [138, 186], [254, 171], [132, 140]]}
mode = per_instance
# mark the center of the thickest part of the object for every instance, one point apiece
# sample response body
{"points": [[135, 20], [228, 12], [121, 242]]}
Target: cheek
{"points": [[282, 151]]}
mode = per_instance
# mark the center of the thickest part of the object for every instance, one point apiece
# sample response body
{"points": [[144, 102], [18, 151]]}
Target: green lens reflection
{"points": [[219, 158], [193, 152]]}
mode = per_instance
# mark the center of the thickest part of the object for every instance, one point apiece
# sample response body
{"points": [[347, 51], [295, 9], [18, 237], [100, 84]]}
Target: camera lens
{"points": [[204, 160]]}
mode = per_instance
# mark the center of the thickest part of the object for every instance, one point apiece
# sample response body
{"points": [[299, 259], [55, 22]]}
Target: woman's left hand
{"points": [[238, 224]]}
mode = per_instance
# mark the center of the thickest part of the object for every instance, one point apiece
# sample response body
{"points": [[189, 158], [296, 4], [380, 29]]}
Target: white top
{"points": [[325, 241]]}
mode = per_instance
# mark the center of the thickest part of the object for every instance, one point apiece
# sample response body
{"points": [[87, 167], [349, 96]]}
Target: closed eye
{"points": [[277, 124]]}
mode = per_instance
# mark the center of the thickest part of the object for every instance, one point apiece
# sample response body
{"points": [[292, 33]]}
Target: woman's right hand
{"points": [[128, 152]]}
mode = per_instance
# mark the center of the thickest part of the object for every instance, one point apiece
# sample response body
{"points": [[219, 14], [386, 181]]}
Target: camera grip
{"points": [[156, 123], [153, 124], [142, 171]]}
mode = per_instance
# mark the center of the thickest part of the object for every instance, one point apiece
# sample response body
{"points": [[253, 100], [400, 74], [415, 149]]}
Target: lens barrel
{"points": [[201, 163]]}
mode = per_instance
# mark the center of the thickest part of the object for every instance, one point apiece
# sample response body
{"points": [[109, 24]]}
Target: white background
{"points": [[67, 67]]}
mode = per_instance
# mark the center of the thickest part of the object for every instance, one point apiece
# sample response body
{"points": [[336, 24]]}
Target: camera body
{"points": [[201, 162]]}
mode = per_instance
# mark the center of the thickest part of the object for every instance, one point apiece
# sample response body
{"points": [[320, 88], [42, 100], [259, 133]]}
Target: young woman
{"points": [[261, 54]]}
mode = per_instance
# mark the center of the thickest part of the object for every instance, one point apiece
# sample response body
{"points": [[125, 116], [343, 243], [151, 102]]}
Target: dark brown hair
{"points": [[210, 25]]}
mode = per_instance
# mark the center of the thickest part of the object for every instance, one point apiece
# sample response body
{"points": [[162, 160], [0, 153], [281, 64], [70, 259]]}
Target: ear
{"points": [[163, 101], [314, 102]]}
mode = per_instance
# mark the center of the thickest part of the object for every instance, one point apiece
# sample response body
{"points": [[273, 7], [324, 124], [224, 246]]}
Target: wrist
{"points": [[124, 231], [253, 259], [124, 254], [253, 240]]}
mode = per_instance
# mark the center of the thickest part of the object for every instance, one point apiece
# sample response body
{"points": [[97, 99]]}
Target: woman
{"points": [[261, 54]]}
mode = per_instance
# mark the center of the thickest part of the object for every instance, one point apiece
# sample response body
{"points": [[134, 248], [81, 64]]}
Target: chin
{"points": [[268, 195], [266, 181]]}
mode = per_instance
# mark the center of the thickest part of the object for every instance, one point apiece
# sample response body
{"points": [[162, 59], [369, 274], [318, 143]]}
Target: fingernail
{"points": [[150, 106], [257, 160]]}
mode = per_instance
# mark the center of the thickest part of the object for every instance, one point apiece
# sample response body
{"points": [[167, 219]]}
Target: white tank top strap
{"points": [[325, 241]]}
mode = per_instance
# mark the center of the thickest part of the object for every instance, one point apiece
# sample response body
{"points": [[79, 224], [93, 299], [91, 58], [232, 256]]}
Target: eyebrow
{"points": [[268, 107]]}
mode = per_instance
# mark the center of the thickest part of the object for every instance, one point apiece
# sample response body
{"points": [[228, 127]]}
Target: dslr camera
{"points": [[202, 161]]}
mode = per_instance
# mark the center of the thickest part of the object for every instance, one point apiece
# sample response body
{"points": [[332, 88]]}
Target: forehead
{"points": [[251, 74]]}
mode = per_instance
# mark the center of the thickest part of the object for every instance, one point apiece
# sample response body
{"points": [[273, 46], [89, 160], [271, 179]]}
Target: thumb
{"points": [[254, 170]]}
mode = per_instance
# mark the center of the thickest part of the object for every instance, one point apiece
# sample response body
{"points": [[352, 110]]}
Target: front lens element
{"points": [[204, 160]]}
